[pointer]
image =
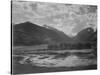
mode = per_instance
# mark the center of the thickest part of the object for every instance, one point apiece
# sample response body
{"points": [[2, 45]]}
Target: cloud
{"points": [[70, 18]]}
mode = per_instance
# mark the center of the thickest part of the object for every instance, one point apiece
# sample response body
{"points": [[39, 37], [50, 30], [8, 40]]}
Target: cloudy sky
{"points": [[69, 18]]}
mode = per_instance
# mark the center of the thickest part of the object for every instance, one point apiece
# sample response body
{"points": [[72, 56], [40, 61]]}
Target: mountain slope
{"points": [[86, 35], [32, 34]]}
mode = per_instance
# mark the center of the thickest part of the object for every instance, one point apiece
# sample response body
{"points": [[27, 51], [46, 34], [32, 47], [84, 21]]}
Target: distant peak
{"points": [[45, 26], [50, 27], [27, 22]]}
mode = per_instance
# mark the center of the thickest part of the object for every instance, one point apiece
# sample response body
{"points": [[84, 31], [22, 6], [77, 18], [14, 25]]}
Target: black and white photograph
{"points": [[53, 37]]}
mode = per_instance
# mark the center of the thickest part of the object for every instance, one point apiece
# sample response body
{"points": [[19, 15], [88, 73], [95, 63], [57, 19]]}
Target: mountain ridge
{"points": [[33, 33], [28, 33]]}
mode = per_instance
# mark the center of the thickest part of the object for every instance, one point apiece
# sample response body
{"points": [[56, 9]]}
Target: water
{"points": [[50, 62]]}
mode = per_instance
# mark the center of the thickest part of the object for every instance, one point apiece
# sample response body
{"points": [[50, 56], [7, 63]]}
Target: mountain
{"points": [[31, 34], [86, 35]]}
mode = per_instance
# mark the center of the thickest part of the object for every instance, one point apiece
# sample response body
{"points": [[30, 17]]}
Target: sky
{"points": [[69, 18]]}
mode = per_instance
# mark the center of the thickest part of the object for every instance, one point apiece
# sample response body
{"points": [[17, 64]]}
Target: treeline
{"points": [[63, 46]]}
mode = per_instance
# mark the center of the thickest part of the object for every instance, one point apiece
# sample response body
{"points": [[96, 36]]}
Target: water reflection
{"points": [[47, 60]]}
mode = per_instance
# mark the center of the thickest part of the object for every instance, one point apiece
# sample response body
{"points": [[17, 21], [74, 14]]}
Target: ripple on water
{"points": [[51, 61]]}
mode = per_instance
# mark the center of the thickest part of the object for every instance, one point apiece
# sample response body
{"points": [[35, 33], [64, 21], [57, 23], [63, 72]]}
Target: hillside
{"points": [[86, 35], [32, 34]]}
